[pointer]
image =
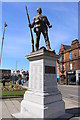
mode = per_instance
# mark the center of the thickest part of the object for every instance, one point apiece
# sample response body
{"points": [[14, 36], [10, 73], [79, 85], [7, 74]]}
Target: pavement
{"points": [[12, 105]]}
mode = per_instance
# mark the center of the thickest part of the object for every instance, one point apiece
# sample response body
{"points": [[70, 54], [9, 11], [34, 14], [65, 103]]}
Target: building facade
{"points": [[68, 65]]}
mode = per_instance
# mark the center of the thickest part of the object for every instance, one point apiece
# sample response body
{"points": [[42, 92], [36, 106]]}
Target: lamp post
{"points": [[5, 25]]}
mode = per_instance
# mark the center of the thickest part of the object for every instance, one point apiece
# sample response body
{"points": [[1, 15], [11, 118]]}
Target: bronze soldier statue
{"points": [[41, 24]]}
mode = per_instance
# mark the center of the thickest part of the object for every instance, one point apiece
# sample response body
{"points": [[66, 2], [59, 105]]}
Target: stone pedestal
{"points": [[43, 99]]}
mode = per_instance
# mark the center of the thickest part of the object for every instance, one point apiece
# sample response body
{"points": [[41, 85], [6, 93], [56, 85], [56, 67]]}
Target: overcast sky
{"points": [[17, 42]]}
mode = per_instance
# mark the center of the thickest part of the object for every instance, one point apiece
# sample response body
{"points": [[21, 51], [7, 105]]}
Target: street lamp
{"points": [[5, 25]]}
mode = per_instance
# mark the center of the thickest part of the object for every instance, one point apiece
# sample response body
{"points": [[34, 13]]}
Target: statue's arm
{"points": [[33, 23], [48, 23]]}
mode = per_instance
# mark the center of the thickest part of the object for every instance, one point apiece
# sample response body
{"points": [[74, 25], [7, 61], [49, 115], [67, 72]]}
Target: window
{"points": [[79, 52], [70, 66], [60, 58], [63, 66], [60, 66], [70, 55]]}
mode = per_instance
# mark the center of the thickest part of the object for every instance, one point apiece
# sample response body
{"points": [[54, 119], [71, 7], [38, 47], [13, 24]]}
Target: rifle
{"points": [[32, 40]]}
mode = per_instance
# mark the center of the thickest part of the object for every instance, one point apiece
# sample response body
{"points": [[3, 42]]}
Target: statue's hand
{"points": [[50, 26], [29, 25]]}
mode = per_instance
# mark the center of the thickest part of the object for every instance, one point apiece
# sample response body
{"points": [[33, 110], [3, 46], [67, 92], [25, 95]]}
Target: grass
{"points": [[12, 93], [4, 93], [0, 84]]}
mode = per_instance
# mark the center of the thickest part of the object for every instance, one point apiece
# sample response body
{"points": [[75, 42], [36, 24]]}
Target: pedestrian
{"points": [[13, 78], [22, 81], [3, 81]]}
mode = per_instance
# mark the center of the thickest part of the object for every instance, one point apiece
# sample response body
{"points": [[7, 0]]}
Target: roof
{"points": [[69, 47], [66, 47]]}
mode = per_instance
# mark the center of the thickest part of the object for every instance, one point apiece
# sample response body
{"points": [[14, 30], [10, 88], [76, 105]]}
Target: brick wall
{"points": [[76, 64], [75, 57]]}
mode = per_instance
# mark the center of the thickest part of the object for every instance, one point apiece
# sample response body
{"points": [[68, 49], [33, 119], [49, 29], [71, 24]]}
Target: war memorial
{"points": [[43, 99]]}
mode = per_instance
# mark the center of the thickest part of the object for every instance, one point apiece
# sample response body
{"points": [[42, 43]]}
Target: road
{"points": [[71, 92]]}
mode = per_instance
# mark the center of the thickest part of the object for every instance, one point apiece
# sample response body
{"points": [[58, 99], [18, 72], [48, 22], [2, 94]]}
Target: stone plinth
{"points": [[43, 99]]}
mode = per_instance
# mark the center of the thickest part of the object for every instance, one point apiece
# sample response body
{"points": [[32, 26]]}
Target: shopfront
{"points": [[71, 77]]}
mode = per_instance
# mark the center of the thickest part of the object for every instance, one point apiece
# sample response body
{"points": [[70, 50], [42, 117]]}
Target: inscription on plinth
{"points": [[36, 75], [50, 70]]}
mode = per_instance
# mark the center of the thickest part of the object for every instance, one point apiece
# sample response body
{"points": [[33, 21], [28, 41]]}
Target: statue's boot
{"points": [[48, 47]]}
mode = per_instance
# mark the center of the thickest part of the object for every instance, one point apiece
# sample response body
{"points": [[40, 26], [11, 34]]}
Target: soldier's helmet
{"points": [[39, 10]]}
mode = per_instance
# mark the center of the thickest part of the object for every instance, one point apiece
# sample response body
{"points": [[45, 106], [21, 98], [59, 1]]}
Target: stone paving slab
{"points": [[72, 107], [5, 111], [11, 107], [0, 108], [70, 103], [16, 104]]}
